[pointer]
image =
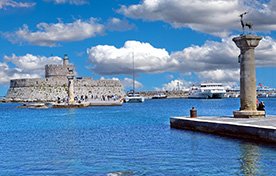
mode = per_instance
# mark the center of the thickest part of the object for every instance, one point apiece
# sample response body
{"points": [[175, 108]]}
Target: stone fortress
{"points": [[55, 84]]}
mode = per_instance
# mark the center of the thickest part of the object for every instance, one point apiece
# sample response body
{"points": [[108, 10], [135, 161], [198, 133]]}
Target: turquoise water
{"points": [[134, 139]]}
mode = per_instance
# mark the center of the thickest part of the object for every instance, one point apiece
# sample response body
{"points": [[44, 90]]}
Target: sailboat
{"points": [[132, 96]]}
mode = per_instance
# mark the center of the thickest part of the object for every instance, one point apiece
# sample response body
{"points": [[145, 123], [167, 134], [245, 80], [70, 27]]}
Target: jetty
{"points": [[87, 104], [257, 129], [249, 122]]}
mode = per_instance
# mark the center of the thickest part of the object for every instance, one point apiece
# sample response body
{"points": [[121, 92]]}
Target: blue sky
{"points": [[171, 40]]}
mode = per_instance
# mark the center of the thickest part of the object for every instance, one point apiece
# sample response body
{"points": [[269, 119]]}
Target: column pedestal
{"points": [[71, 90], [247, 45]]}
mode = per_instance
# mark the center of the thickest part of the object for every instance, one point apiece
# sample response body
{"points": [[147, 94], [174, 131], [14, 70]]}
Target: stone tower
{"points": [[65, 60], [60, 71]]}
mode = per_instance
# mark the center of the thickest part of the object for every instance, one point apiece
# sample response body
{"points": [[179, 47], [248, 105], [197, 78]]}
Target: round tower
{"points": [[60, 71], [65, 60]]}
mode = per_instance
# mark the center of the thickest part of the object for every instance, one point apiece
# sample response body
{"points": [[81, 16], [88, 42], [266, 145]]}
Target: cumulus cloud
{"points": [[50, 34], [217, 61], [53, 33], [177, 84], [218, 17], [4, 4], [265, 53], [219, 75], [116, 24], [113, 78], [28, 66], [109, 60], [128, 83], [74, 2]]}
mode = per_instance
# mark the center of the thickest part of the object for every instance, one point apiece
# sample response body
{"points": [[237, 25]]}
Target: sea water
{"points": [[133, 139]]}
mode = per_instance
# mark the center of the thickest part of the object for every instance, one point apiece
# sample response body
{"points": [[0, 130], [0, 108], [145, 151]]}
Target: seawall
{"points": [[170, 94]]}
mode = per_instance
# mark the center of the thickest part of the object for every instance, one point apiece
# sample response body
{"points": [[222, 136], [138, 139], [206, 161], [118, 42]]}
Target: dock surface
{"points": [[260, 129]]}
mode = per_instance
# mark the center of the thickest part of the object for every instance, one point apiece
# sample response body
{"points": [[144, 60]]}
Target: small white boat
{"points": [[234, 95], [159, 96], [34, 106], [272, 95], [262, 95], [134, 97], [207, 90]]}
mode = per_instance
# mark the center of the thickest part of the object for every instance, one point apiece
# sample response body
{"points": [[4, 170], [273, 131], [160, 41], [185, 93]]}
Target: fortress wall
{"points": [[49, 89], [38, 89], [94, 88], [37, 82]]}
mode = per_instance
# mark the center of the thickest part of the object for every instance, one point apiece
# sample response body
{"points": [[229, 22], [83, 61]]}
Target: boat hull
{"points": [[134, 99]]}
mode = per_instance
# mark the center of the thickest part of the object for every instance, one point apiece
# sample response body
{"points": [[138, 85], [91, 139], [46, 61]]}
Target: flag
{"points": [[260, 85]]}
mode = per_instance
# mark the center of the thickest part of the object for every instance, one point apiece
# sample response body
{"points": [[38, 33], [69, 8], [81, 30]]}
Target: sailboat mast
{"points": [[133, 74]]}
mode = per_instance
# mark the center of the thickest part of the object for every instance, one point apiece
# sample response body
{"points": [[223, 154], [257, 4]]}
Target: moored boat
{"points": [[133, 97], [159, 96]]}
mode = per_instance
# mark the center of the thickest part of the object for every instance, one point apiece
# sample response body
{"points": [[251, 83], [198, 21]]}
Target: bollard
{"points": [[193, 113]]}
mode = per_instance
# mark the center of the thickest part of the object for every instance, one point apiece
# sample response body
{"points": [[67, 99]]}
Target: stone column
{"points": [[247, 44], [71, 89]]}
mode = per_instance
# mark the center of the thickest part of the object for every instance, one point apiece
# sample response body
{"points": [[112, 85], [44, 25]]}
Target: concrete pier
{"points": [[257, 129], [247, 45]]}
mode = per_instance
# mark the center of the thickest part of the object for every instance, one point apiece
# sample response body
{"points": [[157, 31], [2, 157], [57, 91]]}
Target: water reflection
{"points": [[71, 111], [250, 159]]}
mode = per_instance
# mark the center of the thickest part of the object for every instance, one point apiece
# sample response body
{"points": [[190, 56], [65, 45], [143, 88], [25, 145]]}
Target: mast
{"points": [[133, 74]]}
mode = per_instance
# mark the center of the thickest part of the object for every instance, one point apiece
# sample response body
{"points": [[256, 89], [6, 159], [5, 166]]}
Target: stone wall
{"points": [[170, 94], [49, 89]]}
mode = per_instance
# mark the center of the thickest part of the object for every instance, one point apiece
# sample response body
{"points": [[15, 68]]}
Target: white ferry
{"points": [[207, 90], [265, 91]]}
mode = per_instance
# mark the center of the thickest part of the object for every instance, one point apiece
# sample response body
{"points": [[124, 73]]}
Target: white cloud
{"points": [[219, 75], [210, 56], [31, 62], [265, 53], [177, 84], [109, 60], [218, 17], [75, 2], [128, 83], [28, 66], [50, 34], [116, 24], [113, 78], [10, 3], [53, 33], [217, 61]]}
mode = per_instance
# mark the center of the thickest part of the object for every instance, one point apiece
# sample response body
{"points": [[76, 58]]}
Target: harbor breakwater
{"points": [[170, 94]]}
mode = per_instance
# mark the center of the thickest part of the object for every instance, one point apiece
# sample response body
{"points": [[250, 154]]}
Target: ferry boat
{"points": [[207, 90], [265, 91], [133, 97], [159, 96]]}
